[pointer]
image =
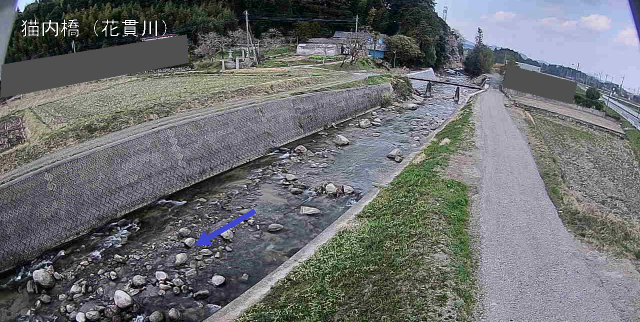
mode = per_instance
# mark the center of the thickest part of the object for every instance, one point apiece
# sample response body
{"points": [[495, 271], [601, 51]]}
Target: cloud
{"points": [[557, 24], [500, 16], [504, 16], [628, 37], [596, 22]]}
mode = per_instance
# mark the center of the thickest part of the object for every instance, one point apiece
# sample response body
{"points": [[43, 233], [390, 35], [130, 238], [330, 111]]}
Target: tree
{"points": [[479, 37], [479, 61], [593, 94], [272, 38], [406, 50], [211, 43]]}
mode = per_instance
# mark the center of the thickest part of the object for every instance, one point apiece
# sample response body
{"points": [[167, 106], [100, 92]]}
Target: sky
{"points": [[600, 35]]}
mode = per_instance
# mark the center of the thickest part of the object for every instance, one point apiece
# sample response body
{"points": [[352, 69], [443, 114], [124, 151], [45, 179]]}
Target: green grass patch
{"points": [[634, 137], [407, 257]]}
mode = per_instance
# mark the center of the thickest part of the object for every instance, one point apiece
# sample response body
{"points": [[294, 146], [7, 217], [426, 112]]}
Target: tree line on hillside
{"points": [[415, 19], [507, 54]]}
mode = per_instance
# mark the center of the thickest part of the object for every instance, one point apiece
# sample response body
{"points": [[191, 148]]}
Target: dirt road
{"points": [[531, 268]]}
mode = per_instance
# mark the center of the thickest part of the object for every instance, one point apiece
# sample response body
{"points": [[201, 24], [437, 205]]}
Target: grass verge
{"points": [[406, 257]]}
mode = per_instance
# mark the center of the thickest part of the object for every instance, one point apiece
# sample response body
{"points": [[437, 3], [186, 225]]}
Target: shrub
{"points": [[593, 94]]}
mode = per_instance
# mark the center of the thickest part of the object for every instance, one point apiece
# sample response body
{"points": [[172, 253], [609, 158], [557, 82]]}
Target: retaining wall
{"points": [[45, 208], [512, 92]]}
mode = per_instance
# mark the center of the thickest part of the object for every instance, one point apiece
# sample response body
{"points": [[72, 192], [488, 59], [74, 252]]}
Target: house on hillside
{"points": [[377, 47], [320, 46], [339, 44]]}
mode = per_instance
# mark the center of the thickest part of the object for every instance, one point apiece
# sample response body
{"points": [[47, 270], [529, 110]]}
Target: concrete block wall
{"points": [[45, 208]]}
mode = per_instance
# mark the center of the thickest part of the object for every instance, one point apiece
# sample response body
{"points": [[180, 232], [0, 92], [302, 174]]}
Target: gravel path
{"points": [[531, 268]]}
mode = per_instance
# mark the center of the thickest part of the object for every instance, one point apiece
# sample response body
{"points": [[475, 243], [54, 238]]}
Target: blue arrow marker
{"points": [[205, 240]]}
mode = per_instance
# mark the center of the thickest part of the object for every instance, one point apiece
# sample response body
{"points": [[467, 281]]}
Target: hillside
{"points": [[196, 17]]}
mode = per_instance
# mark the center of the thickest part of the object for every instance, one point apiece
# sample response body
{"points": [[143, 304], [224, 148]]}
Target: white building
{"points": [[529, 67]]}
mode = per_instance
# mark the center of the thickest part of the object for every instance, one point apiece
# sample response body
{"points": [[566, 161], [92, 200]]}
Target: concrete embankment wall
{"points": [[45, 208]]}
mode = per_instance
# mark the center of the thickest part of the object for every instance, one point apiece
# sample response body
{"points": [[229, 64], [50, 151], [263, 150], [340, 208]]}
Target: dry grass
{"points": [[591, 177], [62, 117]]}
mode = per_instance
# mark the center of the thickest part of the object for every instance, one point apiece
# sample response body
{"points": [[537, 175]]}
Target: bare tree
{"points": [[212, 43], [272, 38]]}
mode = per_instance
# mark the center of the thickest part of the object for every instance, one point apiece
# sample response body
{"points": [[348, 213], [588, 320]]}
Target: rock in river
{"points": [[122, 299], [92, 315], [275, 227], [217, 280], [364, 123], [340, 140], [161, 276], [181, 259], [184, 232], [309, 210], [156, 316], [174, 315], [43, 278], [331, 189], [139, 281], [201, 295], [189, 242], [393, 154], [227, 235]]}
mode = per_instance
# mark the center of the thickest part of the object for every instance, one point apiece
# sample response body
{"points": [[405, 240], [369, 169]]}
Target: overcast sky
{"points": [[598, 34]]}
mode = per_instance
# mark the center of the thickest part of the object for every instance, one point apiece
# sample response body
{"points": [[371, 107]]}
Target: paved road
{"points": [[531, 268], [631, 116]]}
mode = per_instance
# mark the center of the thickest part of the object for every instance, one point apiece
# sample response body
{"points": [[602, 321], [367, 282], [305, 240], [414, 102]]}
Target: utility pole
{"points": [[357, 18], [444, 13], [621, 89], [246, 19]]}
